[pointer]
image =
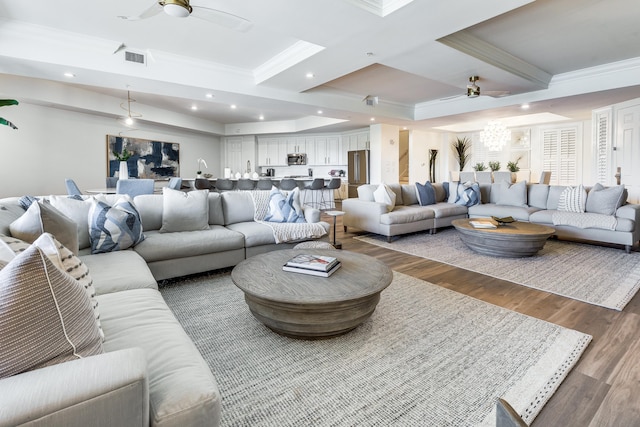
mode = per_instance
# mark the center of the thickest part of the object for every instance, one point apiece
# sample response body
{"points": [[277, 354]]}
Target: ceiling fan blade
{"points": [[219, 17], [496, 93], [151, 11]]}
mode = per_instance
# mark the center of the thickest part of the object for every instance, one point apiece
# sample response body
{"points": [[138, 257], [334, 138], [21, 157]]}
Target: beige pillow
{"points": [[66, 261], [42, 217], [384, 194], [184, 211], [46, 316], [78, 211]]}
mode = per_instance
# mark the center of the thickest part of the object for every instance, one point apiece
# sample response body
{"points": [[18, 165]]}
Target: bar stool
{"points": [[245, 184], [316, 185], [333, 185], [288, 184], [224, 184], [201, 184], [265, 184]]}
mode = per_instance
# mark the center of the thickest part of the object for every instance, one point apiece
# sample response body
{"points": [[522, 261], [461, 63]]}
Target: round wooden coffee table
{"points": [[311, 307], [515, 240]]}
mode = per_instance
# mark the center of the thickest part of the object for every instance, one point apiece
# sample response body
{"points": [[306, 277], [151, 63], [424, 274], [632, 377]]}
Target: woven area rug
{"points": [[427, 356], [607, 277]]}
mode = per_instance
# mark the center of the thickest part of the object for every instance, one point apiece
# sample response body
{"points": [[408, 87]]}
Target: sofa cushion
{"points": [[604, 200], [78, 211], [512, 194], [537, 196], [397, 189], [163, 246], [441, 192], [66, 261], [573, 199], [184, 211], [255, 233], [132, 271], [182, 389], [444, 210], [150, 207], [284, 208], [365, 192], [237, 206], [46, 315], [42, 217], [384, 194], [554, 196], [406, 215], [114, 228], [425, 194], [10, 247], [410, 195]]}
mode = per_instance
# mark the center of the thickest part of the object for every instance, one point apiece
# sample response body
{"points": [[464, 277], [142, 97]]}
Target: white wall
{"points": [[384, 153], [420, 143], [52, 144]]}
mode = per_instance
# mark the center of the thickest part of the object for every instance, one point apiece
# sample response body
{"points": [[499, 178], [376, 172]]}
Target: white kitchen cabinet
{"points": [[296, 145], [327, 150], [353, 142], [272, 152]]}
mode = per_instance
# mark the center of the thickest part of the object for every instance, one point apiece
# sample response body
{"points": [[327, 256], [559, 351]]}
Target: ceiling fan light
{"points": [[177, 9]]}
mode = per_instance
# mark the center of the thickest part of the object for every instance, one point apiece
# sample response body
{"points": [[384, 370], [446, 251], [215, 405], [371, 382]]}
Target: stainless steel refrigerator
{"points": [[358, 171]]}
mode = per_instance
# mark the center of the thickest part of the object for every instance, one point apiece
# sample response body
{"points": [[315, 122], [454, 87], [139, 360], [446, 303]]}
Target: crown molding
{"points": [[296, 53]]}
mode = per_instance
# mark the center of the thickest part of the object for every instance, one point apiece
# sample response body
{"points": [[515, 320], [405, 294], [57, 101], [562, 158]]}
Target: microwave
{"points": [[296, 159]]}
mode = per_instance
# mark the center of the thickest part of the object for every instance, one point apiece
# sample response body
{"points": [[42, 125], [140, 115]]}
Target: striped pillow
{"points": [[46, 316], [573, 199]]}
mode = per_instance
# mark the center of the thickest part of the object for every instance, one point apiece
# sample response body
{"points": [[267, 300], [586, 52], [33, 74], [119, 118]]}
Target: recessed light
{"points": [[233, 106], [373, 119], [320, 111], [310, 75], [67, 74], [209, 95], [525, 106], [261, 117], [194, 107]]}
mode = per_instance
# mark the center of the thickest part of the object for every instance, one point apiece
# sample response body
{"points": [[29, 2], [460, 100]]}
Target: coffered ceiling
{"points": [[300, 57]]}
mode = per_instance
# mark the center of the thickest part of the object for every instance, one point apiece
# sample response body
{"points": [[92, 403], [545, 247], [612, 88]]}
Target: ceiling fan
{"points": [[182, 9], [473, 91]]}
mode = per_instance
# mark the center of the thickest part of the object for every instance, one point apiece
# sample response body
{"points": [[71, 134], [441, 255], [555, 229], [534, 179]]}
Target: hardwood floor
{"points": [[602, 389]]}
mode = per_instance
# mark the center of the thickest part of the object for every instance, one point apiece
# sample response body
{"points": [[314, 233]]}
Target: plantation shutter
{"points": [[602, 133], [559, 155]]}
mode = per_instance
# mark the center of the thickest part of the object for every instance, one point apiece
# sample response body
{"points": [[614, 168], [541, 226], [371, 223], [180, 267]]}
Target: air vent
{"points": [[134, 57]]}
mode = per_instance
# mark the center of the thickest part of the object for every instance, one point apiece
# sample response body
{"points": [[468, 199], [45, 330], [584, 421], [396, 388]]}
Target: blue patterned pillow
{"points": [[468, 194], [114, 228], [426, 194], [285, 208]]}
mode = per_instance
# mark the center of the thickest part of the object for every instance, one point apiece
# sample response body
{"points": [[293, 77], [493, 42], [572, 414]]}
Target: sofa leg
{"points": [[627, 248], [389, 239], [345, 228]]}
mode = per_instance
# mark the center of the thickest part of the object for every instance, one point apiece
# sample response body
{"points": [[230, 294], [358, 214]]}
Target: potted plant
{"points": [[4, 121], [513, 168], [479, 167], [123, 170], [494, 166], [461, 147]]}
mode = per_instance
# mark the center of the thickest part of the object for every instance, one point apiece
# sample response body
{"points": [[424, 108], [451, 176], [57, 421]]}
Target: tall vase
{"points": [[123, 171], [433, 154]]}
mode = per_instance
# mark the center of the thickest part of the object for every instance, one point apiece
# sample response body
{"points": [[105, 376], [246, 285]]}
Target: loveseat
{"points": [[524, 202], [148, 371]]}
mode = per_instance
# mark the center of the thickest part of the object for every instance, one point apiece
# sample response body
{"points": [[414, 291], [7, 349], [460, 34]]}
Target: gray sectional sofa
{"points": [[537, 203], [150, 372]]}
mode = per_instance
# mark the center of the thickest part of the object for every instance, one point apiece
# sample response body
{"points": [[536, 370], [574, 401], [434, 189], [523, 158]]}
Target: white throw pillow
{"points": [[384, 194], [512, 194], [573, 199], [184, 211]]}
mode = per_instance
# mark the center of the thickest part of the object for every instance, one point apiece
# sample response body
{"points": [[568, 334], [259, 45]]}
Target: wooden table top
{"points": [[359, 276], [518, 228]]}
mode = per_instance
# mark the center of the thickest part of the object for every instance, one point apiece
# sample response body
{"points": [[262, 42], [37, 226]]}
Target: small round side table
{"points": [[335, 214]]}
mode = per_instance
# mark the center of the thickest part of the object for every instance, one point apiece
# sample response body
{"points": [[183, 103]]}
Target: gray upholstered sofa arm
{"points": [[311, 215], [363, 214], [110, 389], [629, 211]]}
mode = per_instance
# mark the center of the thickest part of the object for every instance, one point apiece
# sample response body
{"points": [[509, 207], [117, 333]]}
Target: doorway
{"points": [[403, 157]]}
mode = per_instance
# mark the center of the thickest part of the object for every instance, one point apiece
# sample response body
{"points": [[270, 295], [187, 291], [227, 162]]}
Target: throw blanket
{"points": [[284, 231], [585, 220]]}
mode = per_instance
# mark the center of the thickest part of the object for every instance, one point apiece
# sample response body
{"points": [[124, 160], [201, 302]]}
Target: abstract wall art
{"points": [[148, 158]]}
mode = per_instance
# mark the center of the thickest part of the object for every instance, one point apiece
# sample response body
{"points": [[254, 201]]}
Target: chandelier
{"points": [[131, 115], [495, 136]]}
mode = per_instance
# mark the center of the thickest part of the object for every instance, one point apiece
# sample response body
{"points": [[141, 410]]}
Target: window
{"points": [[560, 155], [602, 135]]}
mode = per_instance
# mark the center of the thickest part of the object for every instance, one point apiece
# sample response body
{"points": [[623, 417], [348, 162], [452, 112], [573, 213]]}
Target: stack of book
{"points": [[315, 265], [484, 223]]}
